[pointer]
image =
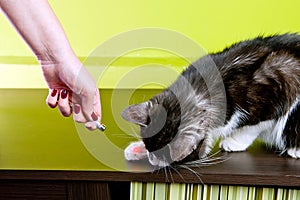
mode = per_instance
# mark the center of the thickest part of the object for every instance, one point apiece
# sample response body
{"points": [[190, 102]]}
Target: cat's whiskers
{"points": [[202, 162], [135, 133], [208, 160], [170, 172], [121, 135], [192, 171], [167, 171], [166, 174], [157, 171], [144, 98], [174, 168]]}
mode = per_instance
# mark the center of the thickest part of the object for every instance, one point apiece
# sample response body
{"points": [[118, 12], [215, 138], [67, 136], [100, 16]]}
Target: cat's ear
{"points": [[137, 114]]}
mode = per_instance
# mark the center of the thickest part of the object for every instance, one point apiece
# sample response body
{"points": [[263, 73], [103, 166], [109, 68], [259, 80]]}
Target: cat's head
{"points": [[170, 131]]}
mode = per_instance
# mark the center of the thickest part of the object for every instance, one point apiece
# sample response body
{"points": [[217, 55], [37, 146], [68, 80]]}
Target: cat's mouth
{"points": [[162, 156], [192, 156]]}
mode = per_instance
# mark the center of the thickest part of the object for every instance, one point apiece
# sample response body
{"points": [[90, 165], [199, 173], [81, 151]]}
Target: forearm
{"points": [[39, 27]]}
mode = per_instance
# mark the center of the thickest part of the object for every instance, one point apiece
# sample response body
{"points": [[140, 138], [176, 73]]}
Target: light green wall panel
{"points": [[213, 24]]}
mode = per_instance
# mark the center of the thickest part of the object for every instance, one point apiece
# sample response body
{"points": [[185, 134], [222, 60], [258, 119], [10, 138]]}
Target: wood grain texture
{"points": [[33, 190], [63, 190], [254, 167], [88, 190]]}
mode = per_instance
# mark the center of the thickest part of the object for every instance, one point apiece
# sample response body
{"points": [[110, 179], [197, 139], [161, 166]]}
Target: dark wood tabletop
{"points": [[257, 166]]}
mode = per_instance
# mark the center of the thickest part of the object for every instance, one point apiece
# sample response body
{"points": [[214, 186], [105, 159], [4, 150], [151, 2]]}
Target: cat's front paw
{"points": [[231, 145], [294, 152], [135, 151]]}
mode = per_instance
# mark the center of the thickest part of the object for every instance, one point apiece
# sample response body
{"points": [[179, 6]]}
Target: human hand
{"points": [[72, 89]]}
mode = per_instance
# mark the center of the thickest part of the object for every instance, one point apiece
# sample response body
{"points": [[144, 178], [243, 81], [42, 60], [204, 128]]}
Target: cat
{"points": [[247, 91]]}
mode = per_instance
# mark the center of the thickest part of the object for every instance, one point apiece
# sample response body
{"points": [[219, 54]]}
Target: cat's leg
{"points": [[238, 141], [243, 137], [294, 152], [291, 132], [136, 151]]}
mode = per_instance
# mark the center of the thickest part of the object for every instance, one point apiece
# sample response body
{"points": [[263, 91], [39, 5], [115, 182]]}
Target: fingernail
{"points": [[94, 116], [76, 109], [64, 94], [53, 93]]}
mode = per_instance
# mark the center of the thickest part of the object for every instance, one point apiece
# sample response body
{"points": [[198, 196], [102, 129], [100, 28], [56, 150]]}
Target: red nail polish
{"points": [[64, 94], [76, 109], [53, 93], [94, 116]]}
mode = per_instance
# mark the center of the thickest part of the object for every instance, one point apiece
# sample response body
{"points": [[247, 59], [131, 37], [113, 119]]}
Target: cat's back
{"points": [[255, 51], [262, 74], [286, 42]]}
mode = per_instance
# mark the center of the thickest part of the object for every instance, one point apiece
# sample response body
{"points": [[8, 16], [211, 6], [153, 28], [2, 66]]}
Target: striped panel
{"points": [[178, 191]]}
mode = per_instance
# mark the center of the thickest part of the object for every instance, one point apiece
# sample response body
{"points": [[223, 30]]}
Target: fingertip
{"points": [[63, 104], [91, 126], [50, 105], [66, 114], [52, 98], [64, 94], [95, 117], [77, 114]]}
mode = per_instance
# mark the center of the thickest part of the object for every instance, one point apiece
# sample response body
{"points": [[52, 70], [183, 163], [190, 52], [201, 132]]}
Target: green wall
{"points": [[212, 23]]}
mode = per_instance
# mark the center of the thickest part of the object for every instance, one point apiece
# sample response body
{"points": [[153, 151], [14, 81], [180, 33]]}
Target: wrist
{"points": [[49, 55]]}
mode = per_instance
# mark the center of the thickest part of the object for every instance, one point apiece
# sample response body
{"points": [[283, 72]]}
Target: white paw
{"points": [[294, 152], [229, 144], [135, 151]]}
